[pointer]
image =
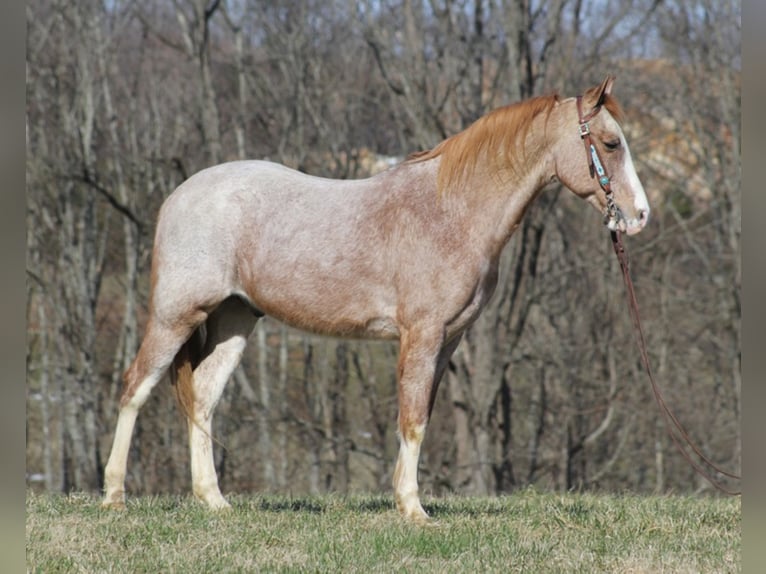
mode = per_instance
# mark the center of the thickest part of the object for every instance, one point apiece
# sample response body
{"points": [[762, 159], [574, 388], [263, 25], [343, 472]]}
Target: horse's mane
{"points": [[498, 136]]}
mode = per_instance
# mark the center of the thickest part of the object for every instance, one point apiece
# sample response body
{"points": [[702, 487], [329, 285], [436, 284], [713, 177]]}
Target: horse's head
{"points": [[593, 160]]}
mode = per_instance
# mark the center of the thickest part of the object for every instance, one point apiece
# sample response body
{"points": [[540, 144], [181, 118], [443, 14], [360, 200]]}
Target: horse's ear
{"points": [[595, 96]]}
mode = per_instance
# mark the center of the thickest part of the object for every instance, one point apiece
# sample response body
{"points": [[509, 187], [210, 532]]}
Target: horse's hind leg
{"points": [[227, 330], [160, 345]]}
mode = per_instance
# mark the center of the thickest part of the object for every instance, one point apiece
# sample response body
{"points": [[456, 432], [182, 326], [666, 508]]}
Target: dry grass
{"points": [[527, 532]]}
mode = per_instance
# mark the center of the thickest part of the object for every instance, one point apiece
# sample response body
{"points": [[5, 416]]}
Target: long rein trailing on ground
{"points": [[613, 215]]}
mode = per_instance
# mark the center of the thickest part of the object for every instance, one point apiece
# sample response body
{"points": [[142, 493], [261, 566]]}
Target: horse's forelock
{"points": [[614, 108]]}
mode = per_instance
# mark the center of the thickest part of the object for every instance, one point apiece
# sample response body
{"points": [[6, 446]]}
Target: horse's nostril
{"points": [[643, 216]]}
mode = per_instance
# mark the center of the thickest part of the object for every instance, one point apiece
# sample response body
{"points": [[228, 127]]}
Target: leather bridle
{"points": [[595, 164]]}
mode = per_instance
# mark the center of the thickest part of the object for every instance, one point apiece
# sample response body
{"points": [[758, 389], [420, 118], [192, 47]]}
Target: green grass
{"points": [[526, 532]]}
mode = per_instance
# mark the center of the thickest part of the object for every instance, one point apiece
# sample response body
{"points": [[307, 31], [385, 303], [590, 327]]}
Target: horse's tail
{"points": [[182, 372]]}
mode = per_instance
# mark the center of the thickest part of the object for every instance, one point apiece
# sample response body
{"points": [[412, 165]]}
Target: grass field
{"points": [[526, 532]]}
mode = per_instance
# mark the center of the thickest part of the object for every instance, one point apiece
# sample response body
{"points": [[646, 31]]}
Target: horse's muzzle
{"points": [[632, 226]]}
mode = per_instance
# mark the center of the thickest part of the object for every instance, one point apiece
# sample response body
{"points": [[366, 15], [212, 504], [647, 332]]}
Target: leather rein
{"points": [[674, 427]]}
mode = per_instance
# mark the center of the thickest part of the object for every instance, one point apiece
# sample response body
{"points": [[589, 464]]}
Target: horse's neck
{"points": [[496, 201]]}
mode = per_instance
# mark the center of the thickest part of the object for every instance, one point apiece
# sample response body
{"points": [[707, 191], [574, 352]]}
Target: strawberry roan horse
{"points": [[409, 254]]}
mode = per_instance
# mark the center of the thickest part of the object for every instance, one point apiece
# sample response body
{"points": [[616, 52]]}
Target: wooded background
{"points": [[125, 99]]}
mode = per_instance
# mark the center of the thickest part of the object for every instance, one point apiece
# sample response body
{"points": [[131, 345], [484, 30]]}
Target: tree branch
{"points": [[123, 209]]}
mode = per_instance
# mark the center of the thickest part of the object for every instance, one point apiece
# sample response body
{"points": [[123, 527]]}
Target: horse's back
{"points": [[257, 178]]}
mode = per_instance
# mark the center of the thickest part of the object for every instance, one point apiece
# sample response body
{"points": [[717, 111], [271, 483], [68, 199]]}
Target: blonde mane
{"points": [[498, 137]]}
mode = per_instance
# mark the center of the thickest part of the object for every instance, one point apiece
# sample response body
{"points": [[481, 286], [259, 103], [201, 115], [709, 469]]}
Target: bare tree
{"points": [[125, 100]]}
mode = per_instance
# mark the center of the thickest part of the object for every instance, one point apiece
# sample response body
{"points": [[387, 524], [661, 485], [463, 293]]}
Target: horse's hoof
{"points": [[414, 515], [215, 503], [221, 508], [421, 520], [114, 505]]}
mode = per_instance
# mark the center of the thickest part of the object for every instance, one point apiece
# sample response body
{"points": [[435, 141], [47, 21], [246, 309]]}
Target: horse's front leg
{"points": [[422, 356]]}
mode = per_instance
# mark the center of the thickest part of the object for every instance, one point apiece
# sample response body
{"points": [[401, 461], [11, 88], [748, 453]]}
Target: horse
{"points": [[410, 254]]}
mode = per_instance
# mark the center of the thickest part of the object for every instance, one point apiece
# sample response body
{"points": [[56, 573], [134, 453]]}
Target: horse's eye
{"points": [[612, 144]]}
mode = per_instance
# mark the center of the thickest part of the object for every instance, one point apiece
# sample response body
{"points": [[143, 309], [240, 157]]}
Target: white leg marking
{"points": [[210, 378], [204, 478], [406, 475], [116, 466]]}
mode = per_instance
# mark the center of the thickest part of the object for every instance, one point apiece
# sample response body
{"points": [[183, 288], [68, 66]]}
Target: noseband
{"points": [[595, 164]]}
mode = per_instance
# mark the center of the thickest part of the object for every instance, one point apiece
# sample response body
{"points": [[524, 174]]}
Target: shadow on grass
{"points": [[453, 507], [310, 506], [320, 505], [372, 505]]}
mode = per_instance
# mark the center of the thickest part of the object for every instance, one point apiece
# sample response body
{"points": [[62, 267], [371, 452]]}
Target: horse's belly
{"points": [[330, 311], [339, 325]]}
